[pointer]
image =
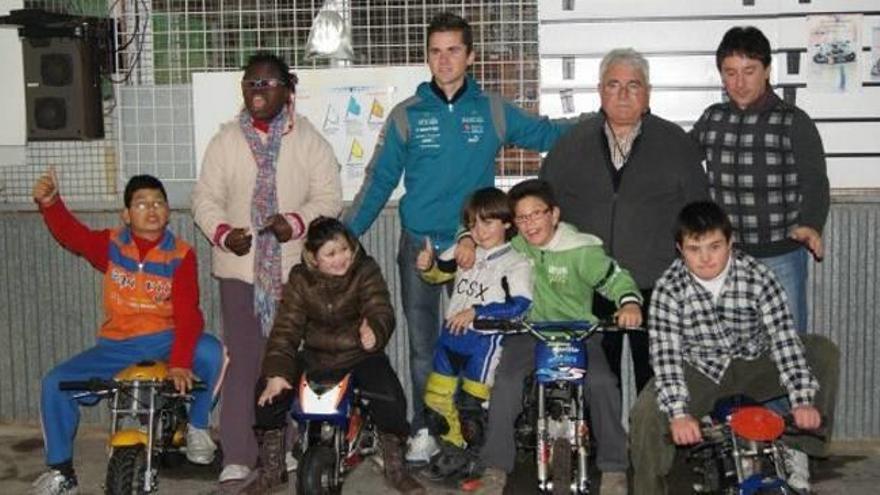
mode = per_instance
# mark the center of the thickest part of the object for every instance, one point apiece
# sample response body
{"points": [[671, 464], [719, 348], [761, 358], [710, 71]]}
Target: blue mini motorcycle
{"points": [[554, 418], [336, 432]]}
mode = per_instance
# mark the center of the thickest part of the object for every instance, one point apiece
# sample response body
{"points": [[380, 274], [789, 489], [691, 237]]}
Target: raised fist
{"points": [[46, 188]]}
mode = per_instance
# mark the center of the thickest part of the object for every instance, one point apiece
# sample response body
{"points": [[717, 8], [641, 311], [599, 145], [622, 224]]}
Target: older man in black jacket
{"points": [[623, 175]]}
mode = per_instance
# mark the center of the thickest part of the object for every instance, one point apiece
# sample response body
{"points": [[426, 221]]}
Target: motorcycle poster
{"points": [[834, 53], [874, 70]]}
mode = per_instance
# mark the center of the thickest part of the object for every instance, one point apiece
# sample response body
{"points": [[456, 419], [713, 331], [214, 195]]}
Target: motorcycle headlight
{"points": [[327, 431]]}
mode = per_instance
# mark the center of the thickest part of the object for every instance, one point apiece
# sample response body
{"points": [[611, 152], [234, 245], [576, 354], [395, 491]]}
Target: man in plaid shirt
{"points": [[766, 166], [719, 324]]}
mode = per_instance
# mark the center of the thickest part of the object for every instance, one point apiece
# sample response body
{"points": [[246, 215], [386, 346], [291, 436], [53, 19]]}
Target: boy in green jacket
{"points": [[568, 266]]}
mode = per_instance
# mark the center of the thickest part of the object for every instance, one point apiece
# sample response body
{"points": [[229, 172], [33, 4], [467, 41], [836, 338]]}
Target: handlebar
{"points": [[525, 326], [91, 385], [375, 396], [98, 385], [711, 428], [549, 330], [493, 324], [792, 429]]}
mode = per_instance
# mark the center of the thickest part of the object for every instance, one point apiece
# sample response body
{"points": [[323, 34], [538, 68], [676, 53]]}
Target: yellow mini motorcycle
{"points": [[147, 426]]}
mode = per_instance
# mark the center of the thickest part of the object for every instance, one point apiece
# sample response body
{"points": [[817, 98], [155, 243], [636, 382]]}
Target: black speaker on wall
{"points": [[62, 89]]}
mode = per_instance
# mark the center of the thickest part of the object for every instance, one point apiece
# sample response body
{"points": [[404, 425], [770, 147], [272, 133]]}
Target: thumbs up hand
{"points": [[368, 336], [425, 259], [46, 188]]}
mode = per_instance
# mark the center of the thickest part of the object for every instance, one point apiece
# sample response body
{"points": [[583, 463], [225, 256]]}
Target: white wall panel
{"points": [[678, 106], [696, 70], [824, 6], [610, 9], [854, 173], [654, 34], [13, 135], [865, 103], [844, 137], [647, 36], [671, 70]]}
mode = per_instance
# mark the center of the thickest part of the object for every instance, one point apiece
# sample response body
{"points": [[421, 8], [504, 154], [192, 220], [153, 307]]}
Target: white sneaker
{"points": [[797, 464], [421, 447], [52, 482], [290, 461], [200, 448], [234, 472]]}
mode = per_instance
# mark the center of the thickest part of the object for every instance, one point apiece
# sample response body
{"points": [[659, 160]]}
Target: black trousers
{"points": [[373, 375], [612, 343]]}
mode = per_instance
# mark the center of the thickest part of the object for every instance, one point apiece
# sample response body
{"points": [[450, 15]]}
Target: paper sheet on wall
{"points": [[874, 68], [350, 118], [834, 51], [348, 106]]}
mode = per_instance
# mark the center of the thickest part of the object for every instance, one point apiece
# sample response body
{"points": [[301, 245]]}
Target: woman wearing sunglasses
{"points": [[265, 176]]}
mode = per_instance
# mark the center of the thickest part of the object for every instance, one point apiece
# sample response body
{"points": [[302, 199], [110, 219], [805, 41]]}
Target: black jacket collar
{"points": [[458, 94]]}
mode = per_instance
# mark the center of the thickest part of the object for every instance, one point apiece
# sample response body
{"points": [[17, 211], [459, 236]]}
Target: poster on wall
{"points": [[834, 51], [874, 69], [348, 106]]}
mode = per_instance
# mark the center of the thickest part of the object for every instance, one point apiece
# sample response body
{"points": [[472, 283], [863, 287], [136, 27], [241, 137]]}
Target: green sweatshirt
{"points": [[566, 272]]}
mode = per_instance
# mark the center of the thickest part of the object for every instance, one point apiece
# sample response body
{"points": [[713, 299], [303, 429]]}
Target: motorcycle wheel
{"points": [[561, 467], [316, 471], [125, 471]]}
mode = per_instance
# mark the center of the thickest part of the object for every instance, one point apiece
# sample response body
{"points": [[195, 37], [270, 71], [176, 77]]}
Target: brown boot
{"points": [[271, 472], [393, 449]]}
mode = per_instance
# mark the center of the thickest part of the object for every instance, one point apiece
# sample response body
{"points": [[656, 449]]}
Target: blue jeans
{"points": [[791, 271], [59, 410], [421, 307]]}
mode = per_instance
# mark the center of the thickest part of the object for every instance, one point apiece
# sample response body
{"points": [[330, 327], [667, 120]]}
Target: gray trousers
{"points": [[505, 404], [653, 451], [245, 344], [421, 307]]}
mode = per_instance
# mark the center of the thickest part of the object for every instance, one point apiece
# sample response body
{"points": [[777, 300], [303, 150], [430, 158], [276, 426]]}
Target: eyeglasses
{"points": [[156, 204], [261, 83], [631, 87], [530, 217]]}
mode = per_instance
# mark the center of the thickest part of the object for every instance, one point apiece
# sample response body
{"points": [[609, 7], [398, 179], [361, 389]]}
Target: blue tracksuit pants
{"points": [[59, 411]]}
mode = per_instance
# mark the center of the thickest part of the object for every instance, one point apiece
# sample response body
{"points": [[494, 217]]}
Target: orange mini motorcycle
{"points": [[147, 425]]}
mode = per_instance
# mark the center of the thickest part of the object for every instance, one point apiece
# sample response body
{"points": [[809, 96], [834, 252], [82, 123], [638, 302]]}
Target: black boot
{"points": [[393, 450], [271, 472]]}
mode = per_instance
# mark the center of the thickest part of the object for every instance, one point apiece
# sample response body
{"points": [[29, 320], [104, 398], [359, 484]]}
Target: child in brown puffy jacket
{"points": [[336, 305]]}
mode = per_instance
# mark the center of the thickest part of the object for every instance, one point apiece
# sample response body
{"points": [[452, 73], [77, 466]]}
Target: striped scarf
{"points": [[267, 249]]}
